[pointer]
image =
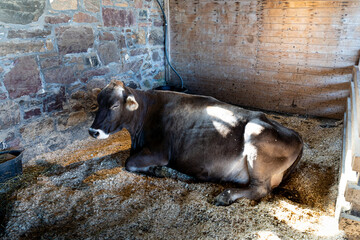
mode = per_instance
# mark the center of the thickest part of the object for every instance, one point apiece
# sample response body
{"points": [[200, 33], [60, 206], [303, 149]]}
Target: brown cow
{"points": [[199, 136]]}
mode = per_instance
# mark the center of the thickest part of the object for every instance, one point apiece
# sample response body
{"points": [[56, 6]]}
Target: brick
{"points": [[74, 39], [24, 78], [62, 18], [20, 11], [20, 47], [9, 114], [92, 5], [63, 4], [118, 18], [63, 75], [108, 53], [32, 113], [36, 33], [84, 18]]}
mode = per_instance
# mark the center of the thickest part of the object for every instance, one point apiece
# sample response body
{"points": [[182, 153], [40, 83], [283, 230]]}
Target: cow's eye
{"points": [[115, 106]]}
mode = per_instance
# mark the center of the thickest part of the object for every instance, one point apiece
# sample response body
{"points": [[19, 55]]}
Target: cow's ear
{"points": [[131, 104]]}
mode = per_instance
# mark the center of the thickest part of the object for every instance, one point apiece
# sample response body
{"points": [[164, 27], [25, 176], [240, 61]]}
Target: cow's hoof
{"points": [[223, 199]]}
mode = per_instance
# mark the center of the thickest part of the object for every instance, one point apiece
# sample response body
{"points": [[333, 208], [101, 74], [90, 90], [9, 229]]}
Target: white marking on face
{"points": [[119, 91], [102, 134]]}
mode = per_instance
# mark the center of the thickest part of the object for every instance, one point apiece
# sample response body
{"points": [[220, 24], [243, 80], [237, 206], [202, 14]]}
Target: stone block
{"points": [[84, 18], [23, 78], [108, 52], [32, 113], [9, 114], [50, 62], [156, 56], [142, 37], [92, 5], [134, 66], [139, 51], [36, 33], [20, 47], [88, 74], [54, 100], [156, 37], [118, 18], [20, 11], [62, 18], [106, 36], [63, 4], [62, 74], [74, 39], [138, 3]]}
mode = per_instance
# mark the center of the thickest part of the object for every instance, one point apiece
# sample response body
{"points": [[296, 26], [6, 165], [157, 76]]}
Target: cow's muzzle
{"points": [[98, 133]]}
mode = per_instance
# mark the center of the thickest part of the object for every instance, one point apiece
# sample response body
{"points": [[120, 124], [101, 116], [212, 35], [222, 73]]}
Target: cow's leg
{"points": [[145, 161], [252, 192]]}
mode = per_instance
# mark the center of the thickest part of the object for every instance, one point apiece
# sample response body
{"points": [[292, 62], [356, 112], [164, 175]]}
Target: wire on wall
{"points": [[166, 50]]}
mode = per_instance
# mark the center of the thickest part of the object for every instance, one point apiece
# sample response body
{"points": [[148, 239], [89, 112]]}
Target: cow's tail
{"points": [[295, 163]]}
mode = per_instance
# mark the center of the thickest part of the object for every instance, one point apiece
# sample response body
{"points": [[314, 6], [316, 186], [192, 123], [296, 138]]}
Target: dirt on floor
{"points": [[83, 192]]}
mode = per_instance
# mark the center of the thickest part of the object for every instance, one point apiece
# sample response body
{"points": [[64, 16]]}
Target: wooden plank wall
{"points": [[288, 56]]}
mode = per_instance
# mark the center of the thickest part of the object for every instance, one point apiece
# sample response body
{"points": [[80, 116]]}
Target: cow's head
{"points": [[116, 103]]}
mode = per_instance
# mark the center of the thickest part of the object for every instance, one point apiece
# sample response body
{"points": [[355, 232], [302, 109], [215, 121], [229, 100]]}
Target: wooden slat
{"points": [[356, 80]]}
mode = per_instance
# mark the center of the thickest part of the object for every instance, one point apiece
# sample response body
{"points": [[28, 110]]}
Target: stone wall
{"points": [[53, 53]]}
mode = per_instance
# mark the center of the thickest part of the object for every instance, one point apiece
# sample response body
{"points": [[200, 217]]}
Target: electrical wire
{"points": [[166, 52]]}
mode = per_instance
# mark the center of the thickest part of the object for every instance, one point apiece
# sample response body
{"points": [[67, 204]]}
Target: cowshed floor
{"points": [[83, 192]]}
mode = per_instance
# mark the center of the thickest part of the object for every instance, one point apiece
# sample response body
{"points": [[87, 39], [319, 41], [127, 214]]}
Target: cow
{"points": [[201, 137]]}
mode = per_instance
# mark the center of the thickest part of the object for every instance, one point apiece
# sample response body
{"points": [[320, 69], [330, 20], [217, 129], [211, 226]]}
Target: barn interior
{"points": [[298, 61]]}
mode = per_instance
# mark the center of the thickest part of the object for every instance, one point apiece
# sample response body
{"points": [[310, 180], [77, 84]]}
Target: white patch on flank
{"points": [[221, 128], [102, 134], [225, 119]]}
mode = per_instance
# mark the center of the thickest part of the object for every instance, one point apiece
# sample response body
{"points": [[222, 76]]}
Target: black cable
{"points": [[166, 52]]}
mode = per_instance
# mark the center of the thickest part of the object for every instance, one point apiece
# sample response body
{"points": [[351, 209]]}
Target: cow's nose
{"points": [[94, 133]]}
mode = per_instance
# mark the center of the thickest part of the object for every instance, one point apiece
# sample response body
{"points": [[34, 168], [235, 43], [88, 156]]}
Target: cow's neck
{"points": [[136, 122]]}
